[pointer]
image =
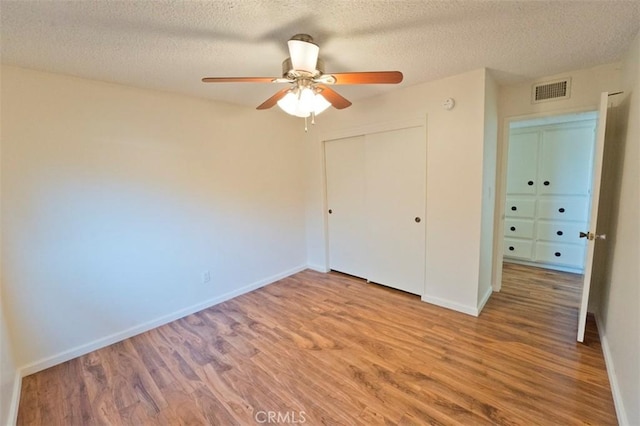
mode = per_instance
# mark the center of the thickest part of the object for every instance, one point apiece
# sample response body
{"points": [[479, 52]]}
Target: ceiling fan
{"points": [[308, 93]]}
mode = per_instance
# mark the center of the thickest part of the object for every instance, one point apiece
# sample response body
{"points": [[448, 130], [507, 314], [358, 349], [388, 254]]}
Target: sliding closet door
{"points": [[345, 195], [395, 208]]}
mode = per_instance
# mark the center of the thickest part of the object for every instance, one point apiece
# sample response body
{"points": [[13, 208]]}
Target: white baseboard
{"points": [[318, 268], [149, 325], [15, 399], [611, 372], [469, 310], [485, 299]]}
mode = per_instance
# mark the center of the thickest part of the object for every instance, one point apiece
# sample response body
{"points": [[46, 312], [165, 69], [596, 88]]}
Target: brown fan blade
{"points": [[274, 99], [373, 77], [238, 79], [334, 98]]}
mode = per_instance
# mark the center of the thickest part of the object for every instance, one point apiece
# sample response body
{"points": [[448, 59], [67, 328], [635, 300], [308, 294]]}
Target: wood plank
{"points": [[344, 351]]}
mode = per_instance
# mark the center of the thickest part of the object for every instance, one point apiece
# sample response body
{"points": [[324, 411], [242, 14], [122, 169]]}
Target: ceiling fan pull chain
{"points": [[313, 118], [306, 129]]}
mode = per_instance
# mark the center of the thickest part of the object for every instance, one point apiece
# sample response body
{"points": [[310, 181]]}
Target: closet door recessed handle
{"points": [[513, 228], [330, 211], [561, 209], [514, 208], [530, 183], [511, 248], [559, 232], [558, 254], [417, 219], [546, 183]]}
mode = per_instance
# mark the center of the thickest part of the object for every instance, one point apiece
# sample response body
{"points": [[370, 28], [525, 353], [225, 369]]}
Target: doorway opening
{"points": [[552, 174], [548, 190]]}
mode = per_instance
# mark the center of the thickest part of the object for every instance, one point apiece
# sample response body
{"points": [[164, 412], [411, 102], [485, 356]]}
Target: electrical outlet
{"points": [[206, 277]]}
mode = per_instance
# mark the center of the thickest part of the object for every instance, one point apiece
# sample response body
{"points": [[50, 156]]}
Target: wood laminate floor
{"points": [[331, 349]]}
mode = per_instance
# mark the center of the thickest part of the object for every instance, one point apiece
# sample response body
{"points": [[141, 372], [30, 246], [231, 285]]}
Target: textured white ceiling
{"points": [[172, 45]]}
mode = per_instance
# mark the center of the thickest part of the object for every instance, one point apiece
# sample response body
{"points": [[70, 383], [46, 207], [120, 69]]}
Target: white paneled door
{"points": [[376, 193]]}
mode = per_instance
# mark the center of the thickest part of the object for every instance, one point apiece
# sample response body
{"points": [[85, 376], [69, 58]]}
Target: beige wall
{"points": [[455, 148], [116, 200], [9, 379], [619, 309]]}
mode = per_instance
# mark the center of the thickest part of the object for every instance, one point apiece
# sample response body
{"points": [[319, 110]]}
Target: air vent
{"points": [[551, 90]]}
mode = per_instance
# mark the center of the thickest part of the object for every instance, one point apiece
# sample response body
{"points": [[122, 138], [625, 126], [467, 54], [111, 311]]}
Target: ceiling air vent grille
{"points": [[551, 90]]}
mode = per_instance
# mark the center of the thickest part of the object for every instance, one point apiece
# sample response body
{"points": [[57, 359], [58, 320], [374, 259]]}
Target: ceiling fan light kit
{"points": [[303, 102], [308, 95]]}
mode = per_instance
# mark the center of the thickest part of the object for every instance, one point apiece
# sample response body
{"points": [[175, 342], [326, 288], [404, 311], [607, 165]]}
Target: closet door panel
{"points": [[522, 163], [395, 208], [566, 159], [345, 168]]}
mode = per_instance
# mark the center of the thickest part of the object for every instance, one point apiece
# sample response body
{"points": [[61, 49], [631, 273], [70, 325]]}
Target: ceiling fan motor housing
{"points": [[293, 74]]}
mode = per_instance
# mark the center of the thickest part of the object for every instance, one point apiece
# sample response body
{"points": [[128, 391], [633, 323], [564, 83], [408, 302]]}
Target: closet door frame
{"points": [[349, 133]]}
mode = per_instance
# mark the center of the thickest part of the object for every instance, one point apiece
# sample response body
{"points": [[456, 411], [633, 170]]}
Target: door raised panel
{"points": [[571, 255], [520, 228], [566, 161], [521, 207], [560, 231], [568, 208], [520, 249], [522, 163]]}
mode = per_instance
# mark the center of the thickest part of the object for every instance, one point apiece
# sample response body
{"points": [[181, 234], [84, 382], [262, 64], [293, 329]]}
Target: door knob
{"points": [[591, 236], [330, 211], [417, 219]]}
